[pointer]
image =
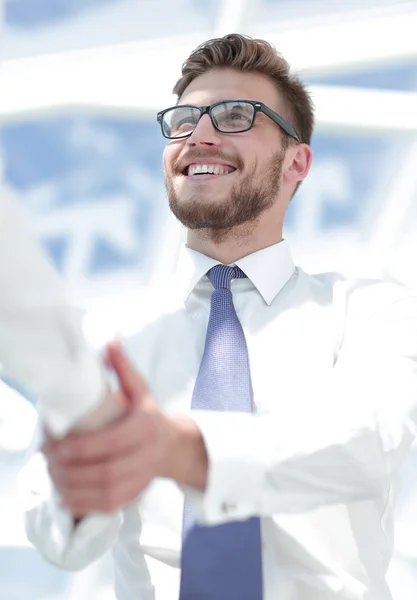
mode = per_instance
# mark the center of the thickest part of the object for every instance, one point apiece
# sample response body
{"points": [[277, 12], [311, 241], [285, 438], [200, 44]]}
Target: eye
{"points": [[232, 120], [238, 117], [183, 125], [189, 120], [180, 120]]}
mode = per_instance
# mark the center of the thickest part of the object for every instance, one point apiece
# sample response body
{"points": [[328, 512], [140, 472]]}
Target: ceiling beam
{"points": [[337, 108], [336, 45]]}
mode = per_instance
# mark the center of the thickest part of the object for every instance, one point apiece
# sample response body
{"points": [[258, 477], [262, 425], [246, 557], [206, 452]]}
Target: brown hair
{"points": [[241, 52]]}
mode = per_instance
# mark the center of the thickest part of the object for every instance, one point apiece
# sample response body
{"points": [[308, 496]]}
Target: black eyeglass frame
{"points": [[258, 107]]}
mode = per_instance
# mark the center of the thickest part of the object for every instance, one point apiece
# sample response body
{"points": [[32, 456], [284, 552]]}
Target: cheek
{"points": [[251, 152], [169, 155], [169, 159], [166, 161]]}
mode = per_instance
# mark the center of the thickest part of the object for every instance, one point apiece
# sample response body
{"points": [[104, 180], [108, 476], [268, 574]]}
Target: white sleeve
{"points": [[42, 347], [262, 465], [50, 528]]}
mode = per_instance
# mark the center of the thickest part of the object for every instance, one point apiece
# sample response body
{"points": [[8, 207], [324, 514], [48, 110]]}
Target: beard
{"points": [[248, 199]]}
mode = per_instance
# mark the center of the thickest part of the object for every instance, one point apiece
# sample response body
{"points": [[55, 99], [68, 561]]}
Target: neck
{"points": [[228, 246]]}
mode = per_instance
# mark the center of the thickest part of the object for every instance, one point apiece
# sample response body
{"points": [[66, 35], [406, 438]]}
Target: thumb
{"points": [[132, 384]]}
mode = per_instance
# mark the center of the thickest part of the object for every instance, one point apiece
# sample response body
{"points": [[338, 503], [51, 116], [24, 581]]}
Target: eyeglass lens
{"points": [[229, 117]]}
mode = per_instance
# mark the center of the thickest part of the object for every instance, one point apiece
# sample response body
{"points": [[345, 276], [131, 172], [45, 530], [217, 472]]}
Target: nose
{"points": [[204, 134]]}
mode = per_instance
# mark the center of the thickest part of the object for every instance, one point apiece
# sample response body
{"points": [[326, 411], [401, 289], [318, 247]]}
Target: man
{"points": [[302, 389]]}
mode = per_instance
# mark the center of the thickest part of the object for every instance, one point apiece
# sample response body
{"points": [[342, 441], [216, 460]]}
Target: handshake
{"points": [[102, 447], [111, 455], [106, 469]]}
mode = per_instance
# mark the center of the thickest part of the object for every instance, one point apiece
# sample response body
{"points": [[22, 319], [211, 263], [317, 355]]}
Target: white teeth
{"points": [[212, 169]]}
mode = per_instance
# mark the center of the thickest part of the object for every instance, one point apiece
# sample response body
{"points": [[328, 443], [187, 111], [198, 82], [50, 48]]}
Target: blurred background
{"points": [[80, 84]]}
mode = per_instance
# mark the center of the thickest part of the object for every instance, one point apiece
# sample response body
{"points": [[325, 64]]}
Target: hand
{"points": [[107, 469]]}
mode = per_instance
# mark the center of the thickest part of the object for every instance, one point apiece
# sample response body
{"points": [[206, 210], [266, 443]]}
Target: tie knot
{"points": [[221, 276]]}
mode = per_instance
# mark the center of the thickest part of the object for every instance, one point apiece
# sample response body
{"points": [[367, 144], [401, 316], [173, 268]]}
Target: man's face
{"points": [[249, 164]]}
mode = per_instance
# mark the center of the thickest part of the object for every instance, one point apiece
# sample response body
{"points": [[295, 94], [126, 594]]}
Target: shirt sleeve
{"points": [[50, 527], [289, 463], [42, 347]]}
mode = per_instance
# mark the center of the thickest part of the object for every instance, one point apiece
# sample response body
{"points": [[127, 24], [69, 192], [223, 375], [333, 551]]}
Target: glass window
{"points": [[41, 26]]}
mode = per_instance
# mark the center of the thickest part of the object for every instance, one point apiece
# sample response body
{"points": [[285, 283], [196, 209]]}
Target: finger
{"points": [[105, 359], [51, 443], [48, 440], [57, 476], [110, 442], [96, 475], [131, 382], [48, 445], [84, 502]]}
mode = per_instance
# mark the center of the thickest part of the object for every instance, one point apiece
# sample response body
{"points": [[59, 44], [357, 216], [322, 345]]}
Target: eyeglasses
{"points": [[231, 116]]}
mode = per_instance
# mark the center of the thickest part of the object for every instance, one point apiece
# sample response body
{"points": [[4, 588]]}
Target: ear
{"points": [[298, 162]]}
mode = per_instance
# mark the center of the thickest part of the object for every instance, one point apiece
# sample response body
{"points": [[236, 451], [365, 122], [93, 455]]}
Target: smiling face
{"points": [[219, 181]]}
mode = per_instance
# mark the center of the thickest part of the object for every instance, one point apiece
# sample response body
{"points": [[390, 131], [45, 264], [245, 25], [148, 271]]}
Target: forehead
{"points": [[228, 84]]}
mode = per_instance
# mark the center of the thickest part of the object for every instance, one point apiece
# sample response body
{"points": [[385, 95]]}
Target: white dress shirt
{"points": [[41, 340], [334, 374]]}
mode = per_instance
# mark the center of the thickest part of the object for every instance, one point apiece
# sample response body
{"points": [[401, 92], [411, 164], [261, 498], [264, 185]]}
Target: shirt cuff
{"points": [[50, 527], [237, 467]]}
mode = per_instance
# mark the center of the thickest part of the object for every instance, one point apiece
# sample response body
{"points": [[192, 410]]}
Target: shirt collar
{"points": [[268, 269]]}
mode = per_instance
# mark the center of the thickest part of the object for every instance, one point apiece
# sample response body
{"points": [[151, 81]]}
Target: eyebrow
{"points": [[237, 105]]}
